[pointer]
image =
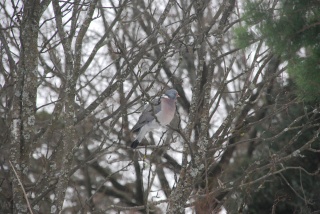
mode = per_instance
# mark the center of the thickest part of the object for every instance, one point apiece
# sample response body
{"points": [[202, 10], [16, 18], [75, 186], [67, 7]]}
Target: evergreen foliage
{"points": [[295, 189], [292, 30]]}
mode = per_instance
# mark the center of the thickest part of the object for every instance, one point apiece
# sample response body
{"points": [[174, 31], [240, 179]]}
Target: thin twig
{"points": [[24, 192]]}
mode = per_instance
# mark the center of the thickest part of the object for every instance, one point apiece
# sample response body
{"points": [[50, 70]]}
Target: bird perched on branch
{"points": [[158, 113]]}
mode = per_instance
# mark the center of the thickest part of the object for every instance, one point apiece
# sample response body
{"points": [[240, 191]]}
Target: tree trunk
{"points": [[24, 102]]}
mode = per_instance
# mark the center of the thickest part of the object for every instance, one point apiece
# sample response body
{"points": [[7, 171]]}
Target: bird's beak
{"points": [[178, 95]]}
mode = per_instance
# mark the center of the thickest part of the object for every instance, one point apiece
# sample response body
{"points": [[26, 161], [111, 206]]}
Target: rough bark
{"points": [[24, 101]]}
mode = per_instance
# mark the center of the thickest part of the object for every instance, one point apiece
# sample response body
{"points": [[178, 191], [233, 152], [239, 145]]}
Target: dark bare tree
{"points": [[75, 75]]}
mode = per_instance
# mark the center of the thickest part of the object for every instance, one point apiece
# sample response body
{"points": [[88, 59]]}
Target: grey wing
{"points": [[147, 115]]}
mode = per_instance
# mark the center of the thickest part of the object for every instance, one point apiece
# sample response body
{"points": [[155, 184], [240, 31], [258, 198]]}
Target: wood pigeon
{"points": [[160, 112]]}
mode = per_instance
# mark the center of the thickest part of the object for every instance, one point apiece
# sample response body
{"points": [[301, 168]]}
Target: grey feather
{"points": [[147, 115], [158, 113]]}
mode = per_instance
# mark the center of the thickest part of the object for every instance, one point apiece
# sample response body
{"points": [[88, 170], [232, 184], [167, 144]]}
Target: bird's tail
{"points": [[134, 144]]}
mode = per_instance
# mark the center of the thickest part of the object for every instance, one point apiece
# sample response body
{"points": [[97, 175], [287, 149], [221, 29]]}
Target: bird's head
{"points": [[170, 94]]}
